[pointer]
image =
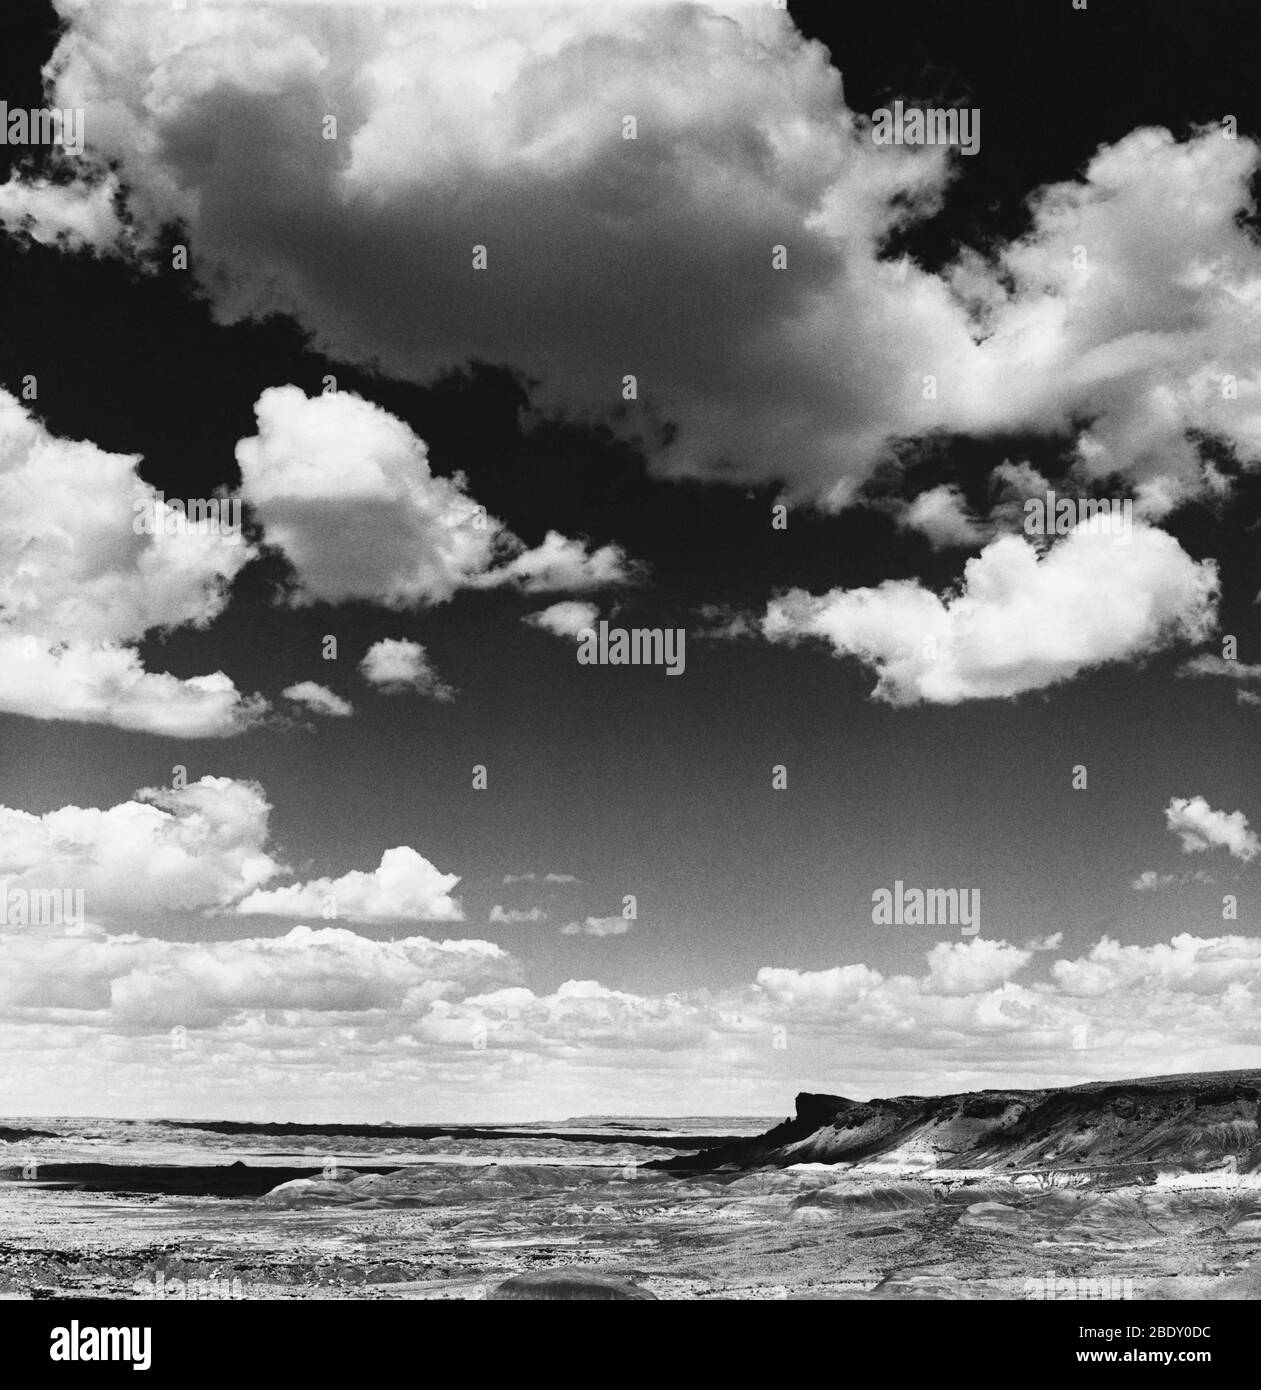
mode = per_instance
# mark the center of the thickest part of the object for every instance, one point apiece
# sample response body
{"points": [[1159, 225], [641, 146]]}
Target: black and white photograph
{"points": [[630, 666]]}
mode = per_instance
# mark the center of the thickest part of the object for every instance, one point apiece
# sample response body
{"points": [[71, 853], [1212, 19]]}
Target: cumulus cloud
{"points": [[581, 1015], [75, 566], [81, 583], [317, 461], [150, 983], [597, 926], [1125, 1000], [75, 215], [1199, 827], [319, 699], [395, 665], [1020, 620], [199, 846], [971, 967], [941, 514], [404, 887], [108, 684], [460, 130], [512, 915], [1148, 331], [345, 490], [1199, 966], [564, 619], [203, 846], [559, 563], [817, 989]]}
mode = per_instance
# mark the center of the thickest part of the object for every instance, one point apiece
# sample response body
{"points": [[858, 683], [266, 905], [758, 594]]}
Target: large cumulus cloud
{"points": [[345, 490], [204, 847], [201, 845], [652, 256], [80, 585], [404, 887], [1021, 619]]}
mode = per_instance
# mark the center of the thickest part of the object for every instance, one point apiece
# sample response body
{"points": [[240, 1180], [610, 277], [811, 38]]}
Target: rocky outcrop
{"points": [[1191, 1123]]}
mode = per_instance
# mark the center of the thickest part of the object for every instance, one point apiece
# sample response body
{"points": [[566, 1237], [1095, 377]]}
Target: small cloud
{"points": [[597, 926], [1210, 665], [396, 665], [564, 619], [1247, 697], [1149, 880], [942, 515], [1017, 483], [723, 623], [1045, 943], [545, 878], [318, 699], [1200, 828], [561, 563], [76, 215], [404, 887], [513, 914]]}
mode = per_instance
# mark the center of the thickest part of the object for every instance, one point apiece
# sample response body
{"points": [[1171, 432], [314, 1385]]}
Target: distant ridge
{"points": [[290, 1129]]}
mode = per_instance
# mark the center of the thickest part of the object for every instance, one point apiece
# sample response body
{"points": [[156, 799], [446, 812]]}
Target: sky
{"points": [[474, 328]]}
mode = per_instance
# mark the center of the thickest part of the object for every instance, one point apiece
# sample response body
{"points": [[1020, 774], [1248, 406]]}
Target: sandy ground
{"points": [[448, 1227]]}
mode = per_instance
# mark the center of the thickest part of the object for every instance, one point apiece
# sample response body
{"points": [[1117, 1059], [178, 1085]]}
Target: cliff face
{"points": [[1190, 1123]]}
